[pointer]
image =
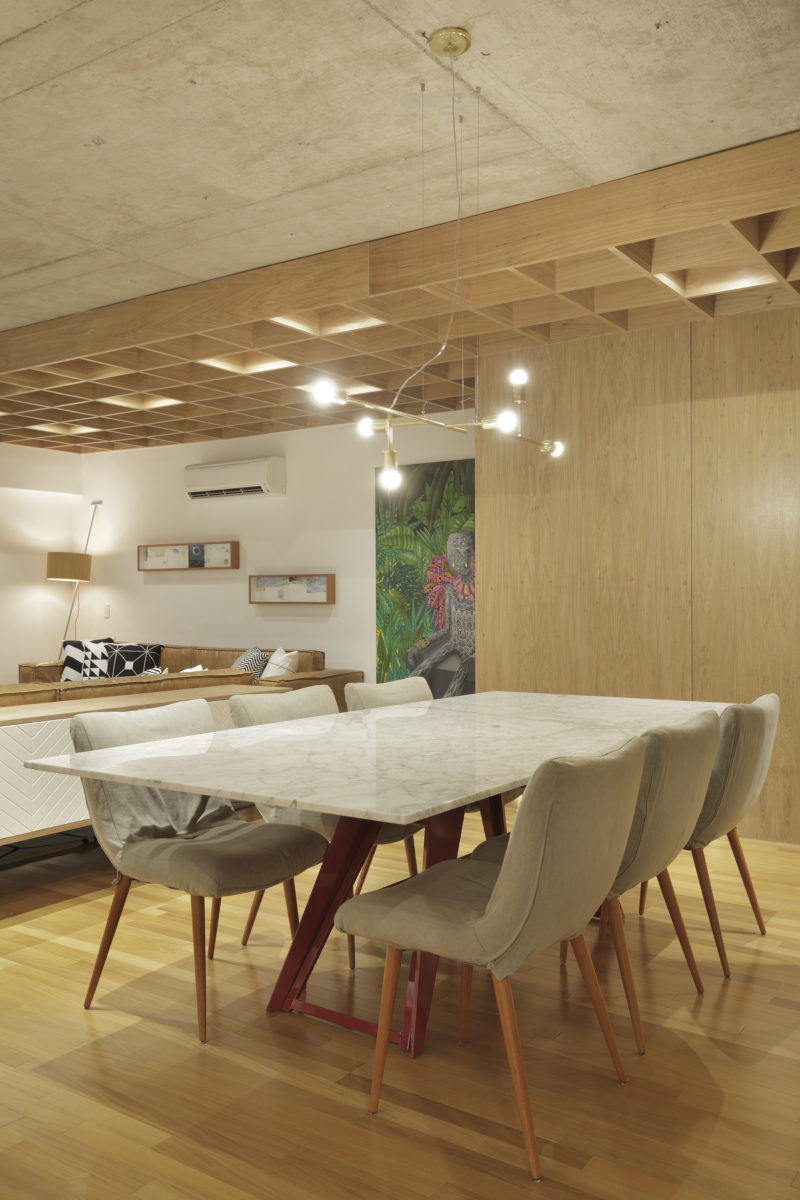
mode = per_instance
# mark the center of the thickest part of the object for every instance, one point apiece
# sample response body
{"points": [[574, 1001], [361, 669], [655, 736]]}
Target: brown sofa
{"points": [[40, 682]]}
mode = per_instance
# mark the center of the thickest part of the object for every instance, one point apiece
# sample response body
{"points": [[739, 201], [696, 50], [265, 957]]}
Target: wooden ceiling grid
{"points": [[239, 356]]}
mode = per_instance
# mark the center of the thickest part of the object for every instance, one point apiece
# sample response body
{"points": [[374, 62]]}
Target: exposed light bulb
{"points": [[507, 421], [324, 392], [390, 478], [558, 450], [518, 377], [365, 427]]}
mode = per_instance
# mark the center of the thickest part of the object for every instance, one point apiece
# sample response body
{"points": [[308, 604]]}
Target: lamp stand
{"points": [[78, 582]]}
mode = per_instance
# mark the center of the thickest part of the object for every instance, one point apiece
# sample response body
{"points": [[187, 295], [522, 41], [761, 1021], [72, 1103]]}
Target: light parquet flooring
{"points": [[123, 1103]]}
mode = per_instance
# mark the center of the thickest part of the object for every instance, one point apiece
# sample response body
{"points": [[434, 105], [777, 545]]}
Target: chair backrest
{"points": [[315, 701], [677, 768], [747, 735], [563, 852], [378, 695], [121, 812]]}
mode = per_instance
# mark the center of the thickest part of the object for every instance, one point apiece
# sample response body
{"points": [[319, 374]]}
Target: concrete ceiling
{"points": [[145, 146]]}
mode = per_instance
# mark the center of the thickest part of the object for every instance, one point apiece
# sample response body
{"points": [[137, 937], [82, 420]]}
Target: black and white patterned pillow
{"points": [[253, 659], [95, 660], [72, 662], [129, 658]]}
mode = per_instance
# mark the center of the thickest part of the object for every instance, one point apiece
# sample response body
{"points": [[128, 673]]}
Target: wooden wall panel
{"points": [[660, 556], [746, 549], [584, 562]]}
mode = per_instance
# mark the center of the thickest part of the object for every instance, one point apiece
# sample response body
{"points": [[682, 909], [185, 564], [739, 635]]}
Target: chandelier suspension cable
{"points": [[456, 278], [461, 338], [423, 226], [477, 237]]}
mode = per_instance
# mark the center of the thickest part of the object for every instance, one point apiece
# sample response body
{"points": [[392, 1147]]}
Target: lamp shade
{"points": [[74, 568]]}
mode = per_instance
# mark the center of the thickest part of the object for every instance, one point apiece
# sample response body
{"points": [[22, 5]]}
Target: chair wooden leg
{"points": [[199, 943], [642, 897], [463, 1001], [701, 867], [213, 924], [738, 854], [290, 900], [363, 873], [251, 919], [112, 921], [602, 933], [411, 854], [617, 926], [391, 974], [508, 1021], [598, 1003], [668, 892]]}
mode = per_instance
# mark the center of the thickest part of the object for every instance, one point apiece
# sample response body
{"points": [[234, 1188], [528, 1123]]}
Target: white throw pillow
{"points": [[188, 670], [282, 662]]}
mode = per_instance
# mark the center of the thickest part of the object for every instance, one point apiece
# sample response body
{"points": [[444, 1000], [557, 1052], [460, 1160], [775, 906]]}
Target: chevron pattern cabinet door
{"points": [[34, 800]]}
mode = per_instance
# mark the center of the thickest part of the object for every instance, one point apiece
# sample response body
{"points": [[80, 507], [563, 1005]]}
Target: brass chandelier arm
{"points": [[453, 426]]}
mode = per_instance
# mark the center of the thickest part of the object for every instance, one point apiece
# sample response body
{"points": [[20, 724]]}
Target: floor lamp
{"points": [[72, 568]]}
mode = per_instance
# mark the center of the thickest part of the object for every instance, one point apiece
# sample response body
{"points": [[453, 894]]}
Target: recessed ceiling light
{"points": [[353, 324], [65, 428], [248, 364], [291, 323], [139, 400]]}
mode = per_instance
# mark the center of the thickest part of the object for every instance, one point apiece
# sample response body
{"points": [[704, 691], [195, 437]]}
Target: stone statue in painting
{"points": [[450, 591]]}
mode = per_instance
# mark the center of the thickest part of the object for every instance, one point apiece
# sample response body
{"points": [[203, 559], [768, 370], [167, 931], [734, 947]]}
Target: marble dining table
{"points": [[421, 762]]}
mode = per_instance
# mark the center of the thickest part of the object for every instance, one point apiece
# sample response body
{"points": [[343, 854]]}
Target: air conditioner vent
{"points": [[253, 477]]}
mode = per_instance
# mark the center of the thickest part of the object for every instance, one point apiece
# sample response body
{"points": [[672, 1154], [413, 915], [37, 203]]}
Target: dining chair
{"points": [[747, 736], [562, 854], [196, 844], [315, 701], [678, 761]]}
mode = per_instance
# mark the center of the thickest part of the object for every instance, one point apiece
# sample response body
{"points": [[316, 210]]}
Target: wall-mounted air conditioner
{"points": [[253, 477]]}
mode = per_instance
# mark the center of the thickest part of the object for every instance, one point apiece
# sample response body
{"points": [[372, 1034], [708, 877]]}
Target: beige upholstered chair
{"points": [[562, 855], [198, 844], [377, 695], [747, 736], [676, 771], [316, 701]]}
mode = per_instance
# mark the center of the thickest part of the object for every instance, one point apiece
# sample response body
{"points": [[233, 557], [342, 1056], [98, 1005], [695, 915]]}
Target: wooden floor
{"points": [[123, 1101]]}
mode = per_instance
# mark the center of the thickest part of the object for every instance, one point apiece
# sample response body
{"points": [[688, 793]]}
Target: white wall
{"points": [[325, 523], [41, 509]]}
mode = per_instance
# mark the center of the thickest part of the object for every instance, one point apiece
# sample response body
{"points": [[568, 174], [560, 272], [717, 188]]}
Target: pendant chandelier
{"points": [[449, 42]]}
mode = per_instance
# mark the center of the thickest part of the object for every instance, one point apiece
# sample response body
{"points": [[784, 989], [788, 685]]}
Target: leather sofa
{"points": [[40, 682]]}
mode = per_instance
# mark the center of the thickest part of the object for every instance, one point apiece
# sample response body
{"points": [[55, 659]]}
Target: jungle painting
{"points": [[425, 574]]}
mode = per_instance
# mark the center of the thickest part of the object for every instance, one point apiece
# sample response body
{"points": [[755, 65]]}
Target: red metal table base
{"points": [[351, 842]]}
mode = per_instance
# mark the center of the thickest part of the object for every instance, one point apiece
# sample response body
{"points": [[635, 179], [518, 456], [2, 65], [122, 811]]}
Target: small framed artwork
{"points": [[182, 556], [292, 589]]}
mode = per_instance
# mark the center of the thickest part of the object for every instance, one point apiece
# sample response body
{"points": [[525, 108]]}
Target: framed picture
{"points": [[292, 589], [182, 556]]}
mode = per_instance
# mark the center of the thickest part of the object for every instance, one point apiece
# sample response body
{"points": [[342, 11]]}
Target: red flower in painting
{"points": [[437, 578]]}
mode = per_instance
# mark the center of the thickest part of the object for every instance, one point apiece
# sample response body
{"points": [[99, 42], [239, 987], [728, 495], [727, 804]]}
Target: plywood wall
{"points": [[659, 556]]}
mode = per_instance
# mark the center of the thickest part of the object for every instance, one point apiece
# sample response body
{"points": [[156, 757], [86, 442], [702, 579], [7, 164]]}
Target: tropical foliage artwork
{"points": [[425, 569]]}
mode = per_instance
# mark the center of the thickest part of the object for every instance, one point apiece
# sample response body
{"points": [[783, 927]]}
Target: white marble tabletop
{"points": [[397, 764]]}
